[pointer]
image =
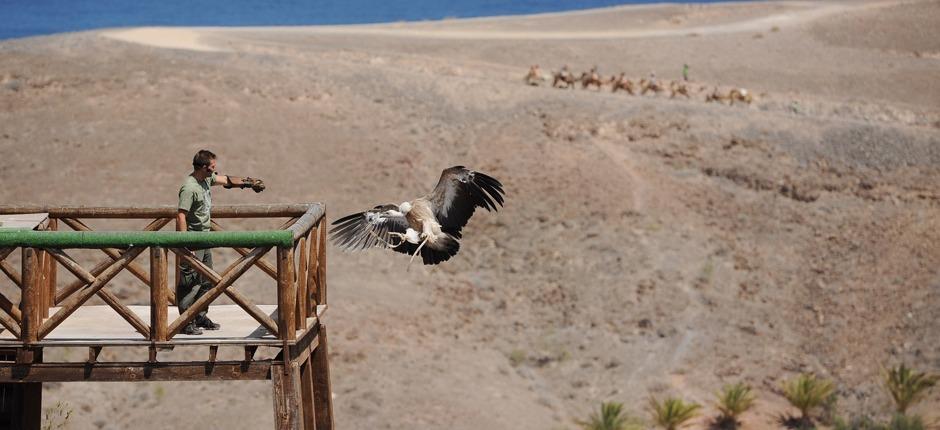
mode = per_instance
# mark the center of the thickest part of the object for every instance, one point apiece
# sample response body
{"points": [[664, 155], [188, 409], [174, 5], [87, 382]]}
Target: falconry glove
{"points": [[257, 185]]}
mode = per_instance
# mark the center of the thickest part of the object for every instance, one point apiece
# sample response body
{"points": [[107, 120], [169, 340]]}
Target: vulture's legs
{"points": [[417, 251], [396, 235]]}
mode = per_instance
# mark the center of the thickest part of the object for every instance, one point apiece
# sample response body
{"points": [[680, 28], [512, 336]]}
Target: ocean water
{"points": [[23, 18]]}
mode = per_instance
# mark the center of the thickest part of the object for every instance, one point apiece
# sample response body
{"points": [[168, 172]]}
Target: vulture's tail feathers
{"points": [[441, 250]]}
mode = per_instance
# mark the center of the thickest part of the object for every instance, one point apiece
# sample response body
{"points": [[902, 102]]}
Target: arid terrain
{"points": [[648, 246]]}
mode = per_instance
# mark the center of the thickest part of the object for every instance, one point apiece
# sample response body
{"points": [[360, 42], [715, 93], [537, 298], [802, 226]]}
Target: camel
{"points": [[650, 85], [591, 78], [534, 77], [715, 96], [678, 88], [563, 79], [621, 83], [741, 95]]}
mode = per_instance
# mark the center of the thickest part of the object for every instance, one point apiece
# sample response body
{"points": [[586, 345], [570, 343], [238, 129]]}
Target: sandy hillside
{"points": [[648, 245]]}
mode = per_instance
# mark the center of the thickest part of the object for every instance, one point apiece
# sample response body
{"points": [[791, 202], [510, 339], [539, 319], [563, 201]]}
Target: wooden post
{"points": [[288, 413], [306, 390], [50, 294], [158, 294], [30, 300], [42, 258], [301, 281], [286, 294], [313, 281], [321, 263], [32, 406], [322, 390]]}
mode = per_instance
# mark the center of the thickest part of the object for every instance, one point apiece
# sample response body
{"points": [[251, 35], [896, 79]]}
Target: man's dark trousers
{"points": [[192, 284]]}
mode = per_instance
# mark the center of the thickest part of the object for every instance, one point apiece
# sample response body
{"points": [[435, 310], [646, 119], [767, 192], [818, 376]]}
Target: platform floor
{"points": [[101, 325]]}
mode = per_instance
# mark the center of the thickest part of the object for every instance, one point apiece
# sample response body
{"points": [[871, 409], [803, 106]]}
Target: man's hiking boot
{"points": [[191, 329], [206, 323]]}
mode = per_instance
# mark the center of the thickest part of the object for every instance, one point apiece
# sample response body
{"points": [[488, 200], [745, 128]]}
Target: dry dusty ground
{"points": [[648, 245]]}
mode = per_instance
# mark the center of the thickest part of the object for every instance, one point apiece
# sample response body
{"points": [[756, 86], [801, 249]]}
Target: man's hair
{"points": [[203, 158]]}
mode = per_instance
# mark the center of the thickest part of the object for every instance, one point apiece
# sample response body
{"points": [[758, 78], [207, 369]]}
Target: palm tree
{"points": [[672, 413], [733, 401], [610, 417], [806, 393], [907, 386]]}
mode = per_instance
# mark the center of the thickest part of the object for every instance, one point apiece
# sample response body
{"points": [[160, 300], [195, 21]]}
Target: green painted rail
{"points": [[123, 239]]}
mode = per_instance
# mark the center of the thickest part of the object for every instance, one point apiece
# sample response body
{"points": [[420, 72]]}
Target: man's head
{"points": [[204, 163]]}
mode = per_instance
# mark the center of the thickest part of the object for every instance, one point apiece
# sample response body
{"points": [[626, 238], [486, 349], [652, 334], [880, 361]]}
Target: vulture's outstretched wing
{"points": [[369, 229], [459, 192]]}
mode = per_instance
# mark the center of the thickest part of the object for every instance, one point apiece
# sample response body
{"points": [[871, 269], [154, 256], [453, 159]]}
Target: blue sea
{"points": [[22, 18]]}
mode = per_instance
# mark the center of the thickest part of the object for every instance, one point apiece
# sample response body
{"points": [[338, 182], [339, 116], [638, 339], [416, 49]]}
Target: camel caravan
{"points": [[566, 79]]}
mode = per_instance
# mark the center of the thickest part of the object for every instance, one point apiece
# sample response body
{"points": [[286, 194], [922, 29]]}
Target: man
{"points": [[195, 204], [685, 72]]}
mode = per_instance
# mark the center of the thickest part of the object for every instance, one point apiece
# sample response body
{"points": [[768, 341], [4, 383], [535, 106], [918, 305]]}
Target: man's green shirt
{"points": [[196, 200]]}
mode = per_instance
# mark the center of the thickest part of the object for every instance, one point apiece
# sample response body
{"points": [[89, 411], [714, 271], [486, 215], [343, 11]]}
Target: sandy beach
{"points": [[649, 245]]}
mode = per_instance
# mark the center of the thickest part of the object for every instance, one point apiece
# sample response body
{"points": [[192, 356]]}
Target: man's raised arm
{"points": [[257, 185]]}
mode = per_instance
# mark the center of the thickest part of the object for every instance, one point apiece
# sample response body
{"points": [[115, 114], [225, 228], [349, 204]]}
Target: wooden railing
{"points": [[299, 271]]}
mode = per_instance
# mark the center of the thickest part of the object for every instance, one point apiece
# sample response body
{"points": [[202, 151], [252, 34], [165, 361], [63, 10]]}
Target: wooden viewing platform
{"points": [[51, 308]]}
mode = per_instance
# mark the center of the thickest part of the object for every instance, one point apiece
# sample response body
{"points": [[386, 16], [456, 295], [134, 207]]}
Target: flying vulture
{"points": [[428, 225]]}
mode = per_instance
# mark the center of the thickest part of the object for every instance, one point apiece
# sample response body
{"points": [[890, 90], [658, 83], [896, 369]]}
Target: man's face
{"points": [[211, 168]]}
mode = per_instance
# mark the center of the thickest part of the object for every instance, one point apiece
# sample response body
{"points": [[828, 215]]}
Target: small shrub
{"points": [[517, 357], [905, 422], [806, 393], [672, 413], [611, 417], [159, 392], [57, 417], [898, 422], [858, 423], [830, 409], [907, 386], [733, 401]]}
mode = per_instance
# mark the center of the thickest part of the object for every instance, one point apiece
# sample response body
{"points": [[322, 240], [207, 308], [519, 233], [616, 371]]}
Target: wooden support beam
{"points": [[300, 279], [306, 222], [10, 324], [44, 266], [51, 274], [76, 300], [322, 389], [5, 252], [138, 271], [135, 372], [321, 264], [306, 390], [286, 295], [32, 406], [238, 268], [93, 352], [30, 301], [250, 352], [159, 297], [11, 309], [227, 211], [288, 413], [229, 290], [108, 297], [11, 273], [262, 263], [313, 280]]}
